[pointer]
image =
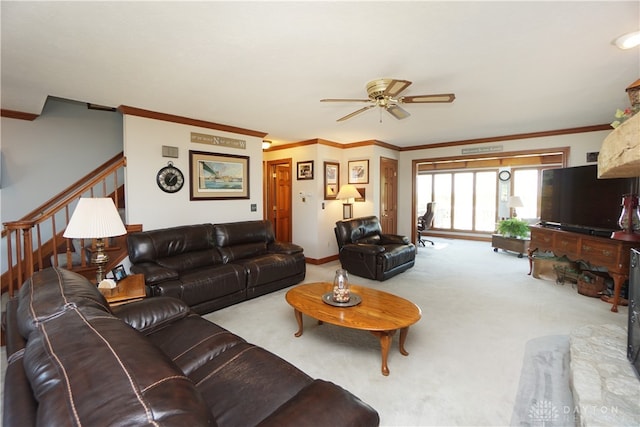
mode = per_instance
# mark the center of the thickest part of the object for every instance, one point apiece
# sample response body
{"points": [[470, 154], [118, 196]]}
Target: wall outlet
{"points": [[254, 207]]}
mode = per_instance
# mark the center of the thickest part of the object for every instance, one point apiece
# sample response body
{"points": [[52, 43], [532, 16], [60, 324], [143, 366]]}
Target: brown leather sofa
{"points": [[73, 361], [366, 252], [213, 266]]}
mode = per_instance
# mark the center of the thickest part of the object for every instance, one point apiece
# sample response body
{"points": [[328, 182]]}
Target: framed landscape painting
{"points": [[216, 176]]}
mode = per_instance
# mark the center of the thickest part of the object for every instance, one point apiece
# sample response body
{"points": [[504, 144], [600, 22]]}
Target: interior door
{"points": [[279, 198], [388, 195]]}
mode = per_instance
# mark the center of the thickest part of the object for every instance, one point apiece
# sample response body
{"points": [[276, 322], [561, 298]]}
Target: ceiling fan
{"points": [[384, 93]]}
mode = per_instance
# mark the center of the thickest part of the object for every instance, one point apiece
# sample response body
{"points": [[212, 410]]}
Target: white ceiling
{"points": [[515, 67]]}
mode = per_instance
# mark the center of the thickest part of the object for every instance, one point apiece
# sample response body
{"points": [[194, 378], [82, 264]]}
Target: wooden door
{"points": [[279, 198], [388, 195]]}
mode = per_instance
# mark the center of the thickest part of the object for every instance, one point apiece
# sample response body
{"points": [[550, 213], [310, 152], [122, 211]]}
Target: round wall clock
{"points": [[504, 175], [170, 179]]}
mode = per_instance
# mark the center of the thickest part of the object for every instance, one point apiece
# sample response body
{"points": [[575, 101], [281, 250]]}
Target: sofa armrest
{"points": [[363, 248], [322, 403], [284, 248], [151, 314], [394, 239], [153, 273]]}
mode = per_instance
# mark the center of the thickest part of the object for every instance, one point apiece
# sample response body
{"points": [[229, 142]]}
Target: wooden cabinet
{"points": [[612, 254], [513, 244]]}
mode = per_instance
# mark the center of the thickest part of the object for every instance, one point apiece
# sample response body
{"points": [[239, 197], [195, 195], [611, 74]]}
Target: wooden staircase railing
{"points": [[34, 242]]}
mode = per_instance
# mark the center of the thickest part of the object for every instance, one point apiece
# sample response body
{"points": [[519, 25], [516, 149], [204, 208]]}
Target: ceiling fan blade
{"points": [[395, 87], [398, 112], [362, 110], [443, 97], [344, 100]]}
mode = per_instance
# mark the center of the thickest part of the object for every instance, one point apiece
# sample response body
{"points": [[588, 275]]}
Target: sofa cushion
{"points": [[50, 292], [152, 314], [270, 268], [238, 233], [205, 284], [193, 341], [148, 246], [304, 407], [245, 383], [130, 383], [238, 252], [370, 240], [190, 260]]}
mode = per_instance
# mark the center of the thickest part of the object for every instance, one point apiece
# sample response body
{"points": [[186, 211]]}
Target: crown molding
{"points": [[133, 111], [20, 115]]}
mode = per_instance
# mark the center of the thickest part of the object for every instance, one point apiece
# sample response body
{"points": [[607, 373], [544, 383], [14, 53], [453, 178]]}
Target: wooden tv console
{"points": [[612, 254]]}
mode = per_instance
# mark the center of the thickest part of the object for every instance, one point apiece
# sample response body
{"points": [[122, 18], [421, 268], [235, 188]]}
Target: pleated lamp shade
{"points": [[95, 218]]}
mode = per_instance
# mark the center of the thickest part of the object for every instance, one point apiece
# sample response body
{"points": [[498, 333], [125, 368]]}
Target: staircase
{"points": [[34, 242]]}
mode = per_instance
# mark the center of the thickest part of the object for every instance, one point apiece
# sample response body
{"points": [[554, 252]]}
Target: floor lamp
{"points": [[95, 218]]}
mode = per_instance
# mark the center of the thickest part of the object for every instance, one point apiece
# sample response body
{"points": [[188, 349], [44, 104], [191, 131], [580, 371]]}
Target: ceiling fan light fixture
{"points": [[628, 41]]}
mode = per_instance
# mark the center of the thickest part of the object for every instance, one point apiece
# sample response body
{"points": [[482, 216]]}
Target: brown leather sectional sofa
{"points": [[213, 266], [73, 361]]}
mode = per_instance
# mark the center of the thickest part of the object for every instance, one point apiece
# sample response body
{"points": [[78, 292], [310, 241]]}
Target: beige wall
{"points": [[148, 205], [313, 218]]}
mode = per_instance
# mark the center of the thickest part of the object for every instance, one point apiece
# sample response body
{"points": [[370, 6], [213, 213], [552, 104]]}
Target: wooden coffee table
{"points": [[380, 313]]}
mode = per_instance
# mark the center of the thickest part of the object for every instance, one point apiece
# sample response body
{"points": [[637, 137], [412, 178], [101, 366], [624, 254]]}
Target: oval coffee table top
{"points": [[378, 311]]}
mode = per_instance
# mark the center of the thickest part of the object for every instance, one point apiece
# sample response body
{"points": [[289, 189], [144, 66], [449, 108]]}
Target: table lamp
{"points": [[515, 202], [95, 218], [348, 192]]}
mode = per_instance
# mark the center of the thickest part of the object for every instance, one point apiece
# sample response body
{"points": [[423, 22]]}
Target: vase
{"points": [[341, 292]]}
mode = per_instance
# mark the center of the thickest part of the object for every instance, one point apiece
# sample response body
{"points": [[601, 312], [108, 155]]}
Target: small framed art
{"points": [[305, 170], [331, 180], [359, 172], [119, 273]]}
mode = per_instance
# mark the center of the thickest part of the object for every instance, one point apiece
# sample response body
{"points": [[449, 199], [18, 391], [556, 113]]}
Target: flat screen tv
{"points": [[574, 199]]}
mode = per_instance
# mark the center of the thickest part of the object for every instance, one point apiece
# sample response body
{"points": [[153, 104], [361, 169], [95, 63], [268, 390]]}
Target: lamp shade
{"points": [[348, 191], [515, 202], [95, 218]]}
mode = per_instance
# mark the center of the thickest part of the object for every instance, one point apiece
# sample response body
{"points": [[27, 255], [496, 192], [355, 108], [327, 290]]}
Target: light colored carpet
{"points": [[479, 311], [479, 308]]}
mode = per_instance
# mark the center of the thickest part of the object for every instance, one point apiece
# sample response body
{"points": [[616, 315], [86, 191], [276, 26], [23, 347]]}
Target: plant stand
{"points": [[513, 244]]}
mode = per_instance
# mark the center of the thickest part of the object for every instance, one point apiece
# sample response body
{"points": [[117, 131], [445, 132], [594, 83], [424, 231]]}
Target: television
{"points": [[574, 199]]}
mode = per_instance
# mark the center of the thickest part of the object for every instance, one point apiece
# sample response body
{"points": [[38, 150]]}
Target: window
{"points": [[469, 196], [525, 185]]}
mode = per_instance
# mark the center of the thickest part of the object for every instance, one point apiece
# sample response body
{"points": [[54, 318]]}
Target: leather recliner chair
{"points": [[365, 251]]}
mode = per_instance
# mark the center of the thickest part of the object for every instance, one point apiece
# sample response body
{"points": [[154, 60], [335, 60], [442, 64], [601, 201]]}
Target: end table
{"points": [[129, 289]]}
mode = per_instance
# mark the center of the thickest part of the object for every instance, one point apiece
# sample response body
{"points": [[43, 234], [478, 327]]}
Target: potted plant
{"points": [[513, 227]]}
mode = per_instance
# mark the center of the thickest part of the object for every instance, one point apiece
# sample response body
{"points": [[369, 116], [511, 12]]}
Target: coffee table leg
{"points": [[385, 344], [403, 337], [299, 320]]}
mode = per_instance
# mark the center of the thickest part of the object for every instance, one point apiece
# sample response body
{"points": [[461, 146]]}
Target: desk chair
{"points": [[425, 222]]}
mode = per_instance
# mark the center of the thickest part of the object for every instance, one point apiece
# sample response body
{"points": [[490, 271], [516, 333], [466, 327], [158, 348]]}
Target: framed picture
{"points": [[119, 273], [359, 172], [305, 170], [361, 190], [331, 180], [216, 176]]}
